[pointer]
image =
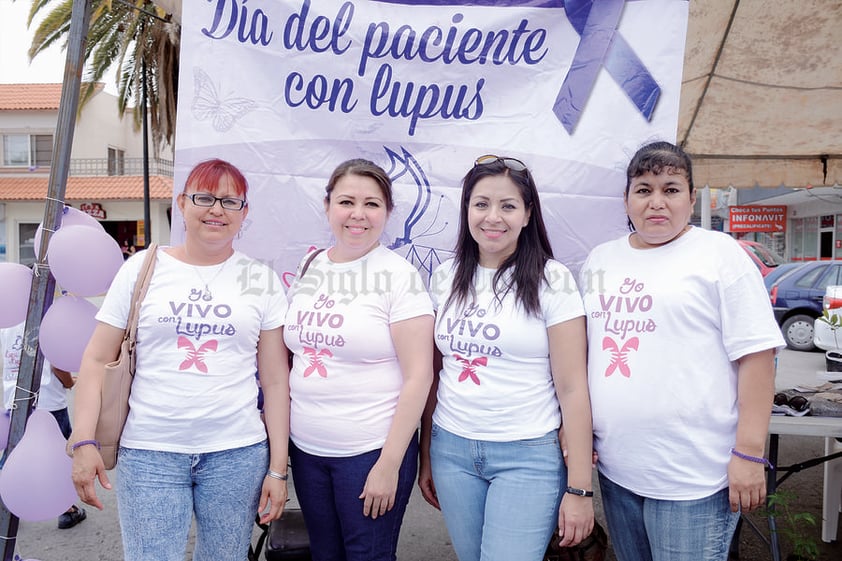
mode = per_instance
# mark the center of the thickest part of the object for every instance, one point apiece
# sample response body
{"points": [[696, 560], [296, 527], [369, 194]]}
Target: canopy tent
{"points": [[761, 101]]}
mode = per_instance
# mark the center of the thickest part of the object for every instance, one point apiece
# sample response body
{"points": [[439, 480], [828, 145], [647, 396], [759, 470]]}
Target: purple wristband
{"points": [[81, 443], [754, 459]]}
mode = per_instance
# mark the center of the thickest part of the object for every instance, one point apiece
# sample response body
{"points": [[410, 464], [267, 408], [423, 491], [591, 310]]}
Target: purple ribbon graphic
{"points": [[600, 45]]}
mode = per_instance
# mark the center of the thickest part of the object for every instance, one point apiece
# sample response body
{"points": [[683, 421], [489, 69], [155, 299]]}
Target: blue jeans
{"points": [[499, 499], [159, 492], [644, 529], [328, 491], [63, 419]]}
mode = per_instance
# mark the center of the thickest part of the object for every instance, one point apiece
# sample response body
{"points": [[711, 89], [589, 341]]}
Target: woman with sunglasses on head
{"points": [[681, 373], [360, 326], [510, 334], [194, 443]]}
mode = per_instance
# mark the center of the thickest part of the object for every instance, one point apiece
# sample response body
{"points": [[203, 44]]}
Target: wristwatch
{"points": [[579, 492]]}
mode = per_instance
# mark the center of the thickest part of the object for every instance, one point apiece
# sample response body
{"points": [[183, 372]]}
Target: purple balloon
{"points": [[66, 328], [69, 217], [15, 284], [35, 482], [84, 260]]}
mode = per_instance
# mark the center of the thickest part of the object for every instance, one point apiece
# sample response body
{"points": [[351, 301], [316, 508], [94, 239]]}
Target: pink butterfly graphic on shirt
{"points": [[196, 357], [469, 367], [316, 364], [619, 355]]}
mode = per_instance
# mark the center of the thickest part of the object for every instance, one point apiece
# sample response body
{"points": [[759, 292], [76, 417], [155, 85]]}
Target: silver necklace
{"points": [[206, 293]]}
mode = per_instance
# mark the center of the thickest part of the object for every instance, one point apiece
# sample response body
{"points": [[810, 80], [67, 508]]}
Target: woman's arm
{"points": [[413, 341], [103, 347], [568, 357], [755, 391], [425, 471], [273, 371]]}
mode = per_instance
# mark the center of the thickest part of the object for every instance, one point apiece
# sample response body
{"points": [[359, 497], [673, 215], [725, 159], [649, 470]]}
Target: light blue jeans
{"points": [[645, 529], [499, 499], [159, 492]]}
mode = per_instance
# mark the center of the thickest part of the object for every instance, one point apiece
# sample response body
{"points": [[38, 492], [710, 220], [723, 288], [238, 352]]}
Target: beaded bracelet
{"points": [[754, 459], [276, 475], [81, 443]]}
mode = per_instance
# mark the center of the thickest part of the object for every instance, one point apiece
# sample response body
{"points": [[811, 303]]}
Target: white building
{"points": [[106, 169]]}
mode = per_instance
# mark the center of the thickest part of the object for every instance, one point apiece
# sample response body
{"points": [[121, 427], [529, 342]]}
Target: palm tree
{"points": [[135, 35]]}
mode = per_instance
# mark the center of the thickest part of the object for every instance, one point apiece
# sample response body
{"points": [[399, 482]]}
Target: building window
{"points": [[116, 161], [27, 150]]}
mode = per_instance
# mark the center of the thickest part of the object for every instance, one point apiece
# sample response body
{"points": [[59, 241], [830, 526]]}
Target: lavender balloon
{"points": [[69, 217], [84, 260], [15, 284], [35, 482], [66, 328]]}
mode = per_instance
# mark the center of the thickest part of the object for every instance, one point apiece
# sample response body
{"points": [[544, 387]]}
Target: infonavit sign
{"points": [[757, 219]]}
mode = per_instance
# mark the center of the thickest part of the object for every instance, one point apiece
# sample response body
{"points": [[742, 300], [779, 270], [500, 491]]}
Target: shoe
{"points": [[72, 517]]}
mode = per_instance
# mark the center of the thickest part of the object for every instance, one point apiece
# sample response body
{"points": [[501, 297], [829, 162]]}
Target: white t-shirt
{"points": [[665, 328], [195, 389], [496, 383], [346, 379], [51, 397]]}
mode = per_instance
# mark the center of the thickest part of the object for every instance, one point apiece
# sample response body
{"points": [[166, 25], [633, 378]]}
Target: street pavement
{"points": [[424, 537]]}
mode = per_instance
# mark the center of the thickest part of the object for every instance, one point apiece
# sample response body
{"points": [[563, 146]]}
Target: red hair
{"points": [[207, 175]]}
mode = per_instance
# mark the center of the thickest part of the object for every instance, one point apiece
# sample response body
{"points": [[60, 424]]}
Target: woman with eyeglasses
{"points": [[194, 443], [510, 335], [680, 359], [360, 327]]}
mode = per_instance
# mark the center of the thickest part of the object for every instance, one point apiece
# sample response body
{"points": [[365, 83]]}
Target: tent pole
{"points": [[43, 283]]}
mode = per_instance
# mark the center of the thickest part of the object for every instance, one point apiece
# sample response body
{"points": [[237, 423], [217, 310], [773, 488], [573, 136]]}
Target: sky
{"points": [[14, 42], [15, 38]]}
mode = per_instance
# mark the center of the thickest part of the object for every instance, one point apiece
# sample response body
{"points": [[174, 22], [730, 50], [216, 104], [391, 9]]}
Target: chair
{"points": [[832, 501]]}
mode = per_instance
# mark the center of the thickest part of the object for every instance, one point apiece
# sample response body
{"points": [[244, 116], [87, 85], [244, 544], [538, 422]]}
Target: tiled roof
{"points": [[86, 188], [31, 97]]}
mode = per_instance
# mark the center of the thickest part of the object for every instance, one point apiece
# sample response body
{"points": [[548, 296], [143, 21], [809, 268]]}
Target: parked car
{"points": [[778, 272], [797, 300], [825, 336], [765, 259]]}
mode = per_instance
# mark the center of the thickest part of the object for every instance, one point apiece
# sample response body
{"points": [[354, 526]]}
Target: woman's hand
{"points": [[274, 496], [746, 485], [88, 466], [426, 484], [380, 489], [575, 519]]}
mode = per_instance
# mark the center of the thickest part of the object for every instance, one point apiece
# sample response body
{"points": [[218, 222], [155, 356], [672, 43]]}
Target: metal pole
{"points": [[43, 284], [147, 227]]}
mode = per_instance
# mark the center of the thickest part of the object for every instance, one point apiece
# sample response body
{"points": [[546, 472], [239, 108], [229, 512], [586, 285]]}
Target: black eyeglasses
{"points": [[208, 200], [511, 163]]}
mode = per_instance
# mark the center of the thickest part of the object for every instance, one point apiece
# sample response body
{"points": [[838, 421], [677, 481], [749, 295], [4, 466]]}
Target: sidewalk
{"points": [[424, 537]]}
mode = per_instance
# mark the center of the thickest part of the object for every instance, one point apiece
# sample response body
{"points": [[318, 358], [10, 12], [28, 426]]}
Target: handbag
{"points": [[117, 383], [592, 548]]}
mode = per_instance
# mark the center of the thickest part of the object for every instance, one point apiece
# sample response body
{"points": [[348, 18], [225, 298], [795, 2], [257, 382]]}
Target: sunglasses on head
{"points": [[512, 163]]}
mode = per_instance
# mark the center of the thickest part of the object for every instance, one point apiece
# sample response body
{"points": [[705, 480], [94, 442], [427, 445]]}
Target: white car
{"points": [[825, 336]]}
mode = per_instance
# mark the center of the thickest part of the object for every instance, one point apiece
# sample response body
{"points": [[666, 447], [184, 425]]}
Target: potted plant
{"points": [[793, 526], [833, 359]]}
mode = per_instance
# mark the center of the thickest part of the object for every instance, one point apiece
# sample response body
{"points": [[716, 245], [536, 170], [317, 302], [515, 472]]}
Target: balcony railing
{"points": [[126, 166]]}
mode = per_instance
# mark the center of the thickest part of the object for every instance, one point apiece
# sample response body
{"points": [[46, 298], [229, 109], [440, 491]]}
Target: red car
{"points": [[762, 256]]}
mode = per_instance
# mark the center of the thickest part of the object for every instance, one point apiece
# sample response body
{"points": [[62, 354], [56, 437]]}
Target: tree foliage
{"points": [[128, 35]]}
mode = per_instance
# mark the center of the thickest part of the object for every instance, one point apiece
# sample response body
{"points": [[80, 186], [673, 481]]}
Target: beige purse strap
{"points": [[140, 287]]}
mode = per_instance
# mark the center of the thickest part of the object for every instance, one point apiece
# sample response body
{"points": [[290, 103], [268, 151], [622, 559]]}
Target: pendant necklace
{"points": [[207, 295]]}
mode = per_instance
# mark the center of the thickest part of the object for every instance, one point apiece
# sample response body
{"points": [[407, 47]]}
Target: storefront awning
{"points": [[85, 188]]}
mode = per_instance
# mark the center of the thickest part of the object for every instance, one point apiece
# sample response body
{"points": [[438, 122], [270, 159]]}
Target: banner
{"points": [[757, 218], [287, 90]]}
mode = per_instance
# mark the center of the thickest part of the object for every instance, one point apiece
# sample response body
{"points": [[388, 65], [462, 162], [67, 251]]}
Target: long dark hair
{"points": [[529, 258], [655, 158]]}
